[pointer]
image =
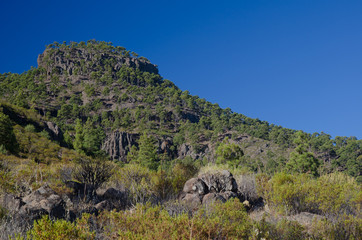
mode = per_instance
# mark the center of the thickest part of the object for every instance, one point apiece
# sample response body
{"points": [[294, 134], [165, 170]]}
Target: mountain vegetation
{"points": [[95, 116]]}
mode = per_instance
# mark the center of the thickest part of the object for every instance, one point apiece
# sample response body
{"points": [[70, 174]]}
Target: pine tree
{"points": [[78, 141], [301, 160]]}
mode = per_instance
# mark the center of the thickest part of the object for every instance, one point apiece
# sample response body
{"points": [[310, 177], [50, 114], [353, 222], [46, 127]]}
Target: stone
{"points": [[220, 182], [104, 205], [11, 202], [54, 131], [192, 200], [43, 201], [195, 185], [38, 195], [228, 195], [210, 198]]}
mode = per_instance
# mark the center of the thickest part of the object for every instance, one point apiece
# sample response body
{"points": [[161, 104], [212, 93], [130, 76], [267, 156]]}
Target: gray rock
{"points": [[117, 144], [228, 195], [43, 201], [195, 185], [11, 202], [104, 205], [38, 195], [211, 198], [210, 187], [220, 182], [54, 131], [192, 200]]}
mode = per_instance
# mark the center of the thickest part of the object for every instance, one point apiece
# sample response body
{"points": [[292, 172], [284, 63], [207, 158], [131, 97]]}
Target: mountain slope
{"points": [[103, 98]]}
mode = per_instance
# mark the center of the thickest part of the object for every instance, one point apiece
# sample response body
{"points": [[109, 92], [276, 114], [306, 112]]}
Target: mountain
{"points": [[115, 96], [95, 128]]}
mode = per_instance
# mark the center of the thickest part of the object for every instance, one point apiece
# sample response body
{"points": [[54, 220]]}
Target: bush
{"points": [[45, 229], [331, 194], [345, 227], [93, 172], [180, 173], [136, 180], [220, 221]]}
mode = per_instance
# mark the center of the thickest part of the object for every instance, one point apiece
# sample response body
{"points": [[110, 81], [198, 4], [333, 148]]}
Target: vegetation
{"points": [[56, 119]]}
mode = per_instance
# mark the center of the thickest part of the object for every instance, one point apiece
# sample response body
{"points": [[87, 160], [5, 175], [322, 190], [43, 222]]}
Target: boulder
{"points": [[195, 185], [210, 187], [40, 194], [211, 198], [104, 205], [228, 195], [43, 201], [54, 131], [11, 202], [110, 194], [220, 182], [192, 200]]}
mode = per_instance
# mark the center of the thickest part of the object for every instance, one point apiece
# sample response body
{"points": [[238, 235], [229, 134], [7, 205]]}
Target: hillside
{"points": [[117, 96], [95, 127]]}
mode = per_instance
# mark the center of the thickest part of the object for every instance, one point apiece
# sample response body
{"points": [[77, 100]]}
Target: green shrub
{"points": [[344, 227], [30, 128], [331, 194], [46, 229], [137, 180], [221, 221]]}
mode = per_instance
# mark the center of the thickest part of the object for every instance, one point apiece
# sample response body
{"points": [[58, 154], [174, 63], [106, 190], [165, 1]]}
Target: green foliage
{"points": [[301, 160], [147, 153], [45, 229], [30, 128], [7, 136], [223, 221], [181, 172], [35, 146], [6, 178], [346, 227], [138, 100], [93, 172], [331, 194], [230, 153], [88, 138]]}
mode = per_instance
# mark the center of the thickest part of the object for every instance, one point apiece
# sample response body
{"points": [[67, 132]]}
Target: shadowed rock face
{"points": [[118, 144]]}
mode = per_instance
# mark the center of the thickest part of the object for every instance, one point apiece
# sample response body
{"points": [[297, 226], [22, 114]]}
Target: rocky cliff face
{"points": [[117, 144], [81, 61]]}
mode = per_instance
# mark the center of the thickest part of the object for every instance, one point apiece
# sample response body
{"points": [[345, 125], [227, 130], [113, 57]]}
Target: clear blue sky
{"points": [[294, 63]]}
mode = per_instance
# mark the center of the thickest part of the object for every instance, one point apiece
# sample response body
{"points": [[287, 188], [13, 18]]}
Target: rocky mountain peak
{"points": [[83, 59]]}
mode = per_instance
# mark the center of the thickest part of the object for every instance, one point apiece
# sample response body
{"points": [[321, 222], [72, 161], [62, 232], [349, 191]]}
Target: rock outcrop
{"points": [[68, 60], [55, 131], [117, 144], [208, 188], [43, 201]]}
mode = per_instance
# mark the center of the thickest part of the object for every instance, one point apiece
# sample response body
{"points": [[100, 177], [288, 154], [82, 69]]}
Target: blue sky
{"points": [[296, 63]]}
